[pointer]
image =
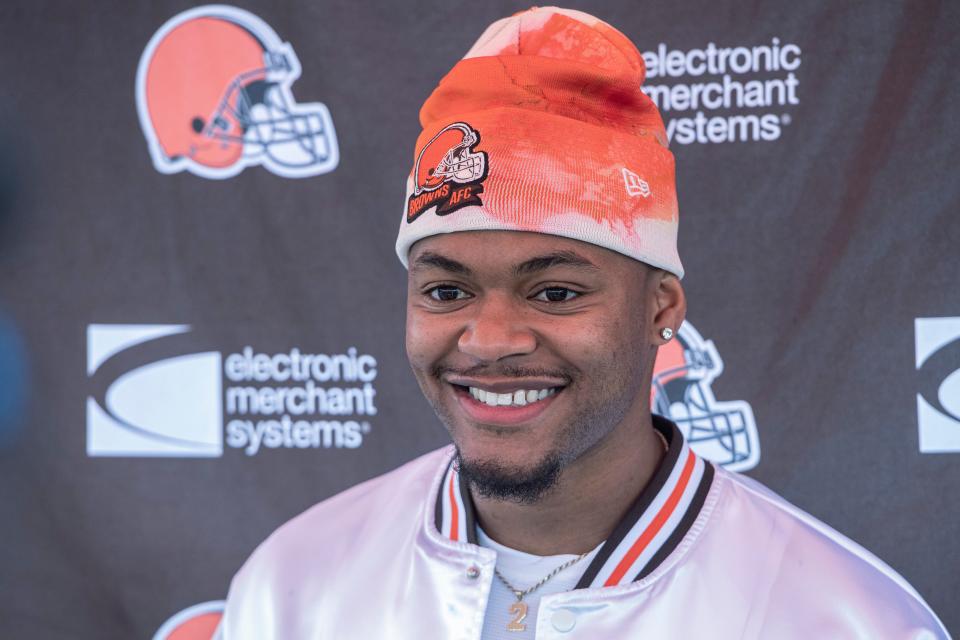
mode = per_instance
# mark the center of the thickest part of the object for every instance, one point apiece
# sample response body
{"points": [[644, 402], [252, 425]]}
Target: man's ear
{"points": [[669, 305]]}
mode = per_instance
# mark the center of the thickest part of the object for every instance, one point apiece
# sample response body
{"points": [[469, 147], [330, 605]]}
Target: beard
{"points": [[493, 480], [582, 431]]}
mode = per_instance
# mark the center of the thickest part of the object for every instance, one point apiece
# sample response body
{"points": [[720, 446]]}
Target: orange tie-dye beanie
{"points": [[542, 127]]}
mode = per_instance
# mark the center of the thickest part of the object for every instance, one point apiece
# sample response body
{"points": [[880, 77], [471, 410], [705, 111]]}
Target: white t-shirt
{"points": [[524, 570]]}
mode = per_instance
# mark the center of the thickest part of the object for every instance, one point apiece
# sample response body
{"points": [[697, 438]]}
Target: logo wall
{"points": [[724, 94], [150, 398], [938, 374], [722, 431], [214, 96]]}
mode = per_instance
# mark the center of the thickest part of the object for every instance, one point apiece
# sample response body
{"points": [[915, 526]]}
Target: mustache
{"points": [[502, 371]]}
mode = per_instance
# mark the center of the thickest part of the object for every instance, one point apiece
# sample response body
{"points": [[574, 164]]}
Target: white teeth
{"points": [[517, 398]]}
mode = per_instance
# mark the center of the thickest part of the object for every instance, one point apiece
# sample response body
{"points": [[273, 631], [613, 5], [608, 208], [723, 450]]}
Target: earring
{"points": [[666, 333]]}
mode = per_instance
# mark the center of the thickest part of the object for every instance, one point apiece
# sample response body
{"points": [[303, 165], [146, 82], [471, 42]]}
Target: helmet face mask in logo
{"points": [[460, 165], [275, 130], [722, 431], [232, 107]]}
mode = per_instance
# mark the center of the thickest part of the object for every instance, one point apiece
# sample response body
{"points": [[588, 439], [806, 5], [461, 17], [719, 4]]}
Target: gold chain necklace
{"points": [[519, 608]]}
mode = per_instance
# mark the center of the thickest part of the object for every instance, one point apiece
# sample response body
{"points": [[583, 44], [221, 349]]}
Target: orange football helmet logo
{"points": [[722, 431], [449, 172], [449, 156], [213, 95], [199, 622]]}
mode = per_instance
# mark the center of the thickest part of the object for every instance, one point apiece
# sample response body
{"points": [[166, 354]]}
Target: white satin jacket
{"points": [[703, 553]]}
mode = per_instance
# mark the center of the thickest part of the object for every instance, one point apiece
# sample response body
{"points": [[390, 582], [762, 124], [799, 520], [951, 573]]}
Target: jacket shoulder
{"points": [[813, 568], [364, 504], [326, 543]]}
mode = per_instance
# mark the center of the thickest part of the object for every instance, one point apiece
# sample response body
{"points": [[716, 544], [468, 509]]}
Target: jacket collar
{"points": [[652, 528]]}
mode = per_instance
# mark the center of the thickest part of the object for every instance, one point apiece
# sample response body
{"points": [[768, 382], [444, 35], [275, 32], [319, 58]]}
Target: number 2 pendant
{"points": [[519, 612]]}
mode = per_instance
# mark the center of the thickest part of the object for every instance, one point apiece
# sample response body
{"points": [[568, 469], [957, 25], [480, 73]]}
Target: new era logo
{"points": [[636, 186]]}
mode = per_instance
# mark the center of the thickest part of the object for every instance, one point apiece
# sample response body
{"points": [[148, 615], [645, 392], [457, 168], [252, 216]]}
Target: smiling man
{"points": [[540, 236], [536, 351]]}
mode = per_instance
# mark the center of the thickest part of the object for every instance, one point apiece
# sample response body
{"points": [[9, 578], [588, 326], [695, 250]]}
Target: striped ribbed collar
{"points": [[652, 528]]}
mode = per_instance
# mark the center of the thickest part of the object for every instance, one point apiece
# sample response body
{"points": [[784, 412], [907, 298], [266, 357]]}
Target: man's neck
{"points": [[590, 498]]}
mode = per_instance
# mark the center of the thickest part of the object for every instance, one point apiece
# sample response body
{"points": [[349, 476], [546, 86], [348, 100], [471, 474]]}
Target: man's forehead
{"points": [[517, 251]]}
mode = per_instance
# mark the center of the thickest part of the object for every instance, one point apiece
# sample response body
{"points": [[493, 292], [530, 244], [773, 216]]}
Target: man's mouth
{"points": [[518, 398], [505, 402]]}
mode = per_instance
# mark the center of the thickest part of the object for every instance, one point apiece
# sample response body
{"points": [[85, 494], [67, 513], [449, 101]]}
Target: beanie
{"points": [[542, 127]]}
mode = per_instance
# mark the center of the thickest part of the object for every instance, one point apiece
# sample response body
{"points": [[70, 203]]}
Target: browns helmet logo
{"points": [[449, 172], [199, 622], [213, 96], [722, 431]]}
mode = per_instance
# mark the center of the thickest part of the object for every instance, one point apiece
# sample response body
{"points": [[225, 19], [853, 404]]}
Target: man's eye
{"points": [[556, 294], [445, 293]]}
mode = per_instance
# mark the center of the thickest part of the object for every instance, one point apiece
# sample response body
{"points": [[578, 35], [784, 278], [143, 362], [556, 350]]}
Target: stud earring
{"points": [[666, 333]]}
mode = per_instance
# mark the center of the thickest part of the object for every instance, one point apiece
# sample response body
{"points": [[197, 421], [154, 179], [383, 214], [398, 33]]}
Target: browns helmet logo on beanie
{"points": [[449, 172]]}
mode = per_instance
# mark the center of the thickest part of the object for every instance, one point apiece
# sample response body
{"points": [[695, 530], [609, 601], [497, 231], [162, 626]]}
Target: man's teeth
{"points": [[516, 399]]}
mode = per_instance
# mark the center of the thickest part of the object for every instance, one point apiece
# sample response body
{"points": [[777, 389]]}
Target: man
{"points": [[540, 238]]}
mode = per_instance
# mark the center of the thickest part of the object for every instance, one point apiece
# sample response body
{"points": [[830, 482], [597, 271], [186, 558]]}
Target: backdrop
{"points": [[202, 316]]}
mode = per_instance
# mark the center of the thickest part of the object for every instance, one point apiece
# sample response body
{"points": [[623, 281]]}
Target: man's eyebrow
{"points": [[429, 259], [564, 258]]}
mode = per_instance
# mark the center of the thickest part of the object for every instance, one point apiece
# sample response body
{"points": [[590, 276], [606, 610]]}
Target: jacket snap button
{"points": [[563, 620], [473, 572]]}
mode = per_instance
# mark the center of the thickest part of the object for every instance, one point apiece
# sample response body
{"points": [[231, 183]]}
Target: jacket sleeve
{"points": [[842, 590]]}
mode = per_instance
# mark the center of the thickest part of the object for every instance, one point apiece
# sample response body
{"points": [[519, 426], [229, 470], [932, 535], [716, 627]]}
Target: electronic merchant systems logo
{"points": [[153, 393], [724, 94], [938, 384]]}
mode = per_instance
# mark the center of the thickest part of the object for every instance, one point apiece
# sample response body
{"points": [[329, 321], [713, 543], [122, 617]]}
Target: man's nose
{"points": [[497, 330]]}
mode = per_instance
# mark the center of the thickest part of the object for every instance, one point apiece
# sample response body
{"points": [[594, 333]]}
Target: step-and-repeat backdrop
{"points": [[202, 316]]}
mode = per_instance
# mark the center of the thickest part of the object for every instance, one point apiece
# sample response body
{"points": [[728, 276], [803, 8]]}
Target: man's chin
{"points": [[494, 480]]}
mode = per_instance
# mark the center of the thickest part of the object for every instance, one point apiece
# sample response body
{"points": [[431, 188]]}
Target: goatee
{"points": [[522, 486]]}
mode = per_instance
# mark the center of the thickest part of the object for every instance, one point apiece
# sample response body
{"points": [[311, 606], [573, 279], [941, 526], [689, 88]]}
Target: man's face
{"points": [[531, 348]]}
